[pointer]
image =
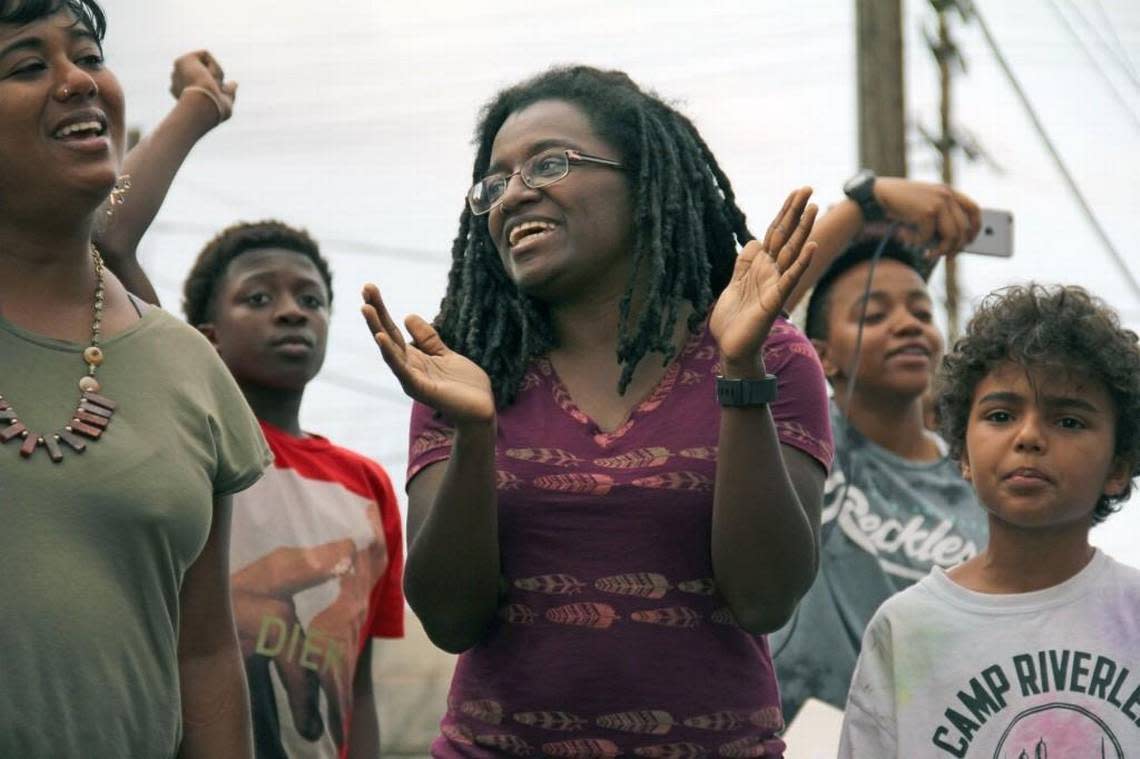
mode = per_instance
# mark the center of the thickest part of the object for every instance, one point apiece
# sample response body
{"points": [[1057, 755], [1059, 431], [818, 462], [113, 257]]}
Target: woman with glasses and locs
{"points": [[121, 437], [603, 539]]}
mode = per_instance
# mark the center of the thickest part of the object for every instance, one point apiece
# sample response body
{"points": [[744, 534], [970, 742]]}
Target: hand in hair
{"points": [[428, 370], [764, 276], [936, 216], [200, 71]]}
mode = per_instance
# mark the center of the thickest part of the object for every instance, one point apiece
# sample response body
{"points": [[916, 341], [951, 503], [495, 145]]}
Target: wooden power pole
{"points": [[879, 67], [943, 53], [949, 58]]}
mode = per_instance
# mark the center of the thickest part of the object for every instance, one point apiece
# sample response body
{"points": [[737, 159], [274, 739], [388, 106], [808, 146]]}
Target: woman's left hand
{"points": [[201, 71], [764, 276]]}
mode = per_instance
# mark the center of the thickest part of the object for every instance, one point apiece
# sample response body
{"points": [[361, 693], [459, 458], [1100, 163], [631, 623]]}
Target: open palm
{"points": [[765, 275], [427, 369]]}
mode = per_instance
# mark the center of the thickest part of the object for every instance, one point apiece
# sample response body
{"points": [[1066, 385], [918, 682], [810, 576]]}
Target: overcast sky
{"points": [[354, 120]]}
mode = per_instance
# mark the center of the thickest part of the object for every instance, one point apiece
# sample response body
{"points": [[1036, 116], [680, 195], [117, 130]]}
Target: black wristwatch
{"points": [[861, 189], [746, 392]]}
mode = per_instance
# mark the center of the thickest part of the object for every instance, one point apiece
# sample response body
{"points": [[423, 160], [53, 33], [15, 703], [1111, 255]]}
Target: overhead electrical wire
{"points": [[1118, 96], [344, 246], [1086, 209], [1118, 52]]}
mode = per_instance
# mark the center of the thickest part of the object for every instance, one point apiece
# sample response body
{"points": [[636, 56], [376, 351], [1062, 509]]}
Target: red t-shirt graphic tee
{"points": [[316, 558]]}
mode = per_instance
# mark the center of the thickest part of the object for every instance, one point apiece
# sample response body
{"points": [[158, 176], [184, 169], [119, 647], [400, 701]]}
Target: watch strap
{"points": [[746, 392]]}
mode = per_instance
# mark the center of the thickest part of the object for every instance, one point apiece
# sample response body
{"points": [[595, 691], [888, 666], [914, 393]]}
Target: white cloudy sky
{"points": [[354, 120]]}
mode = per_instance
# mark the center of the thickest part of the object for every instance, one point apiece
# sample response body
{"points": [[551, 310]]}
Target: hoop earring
{"points": [[118, 194]]}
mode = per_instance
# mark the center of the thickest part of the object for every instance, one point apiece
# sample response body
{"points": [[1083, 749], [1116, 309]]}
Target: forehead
{"points": [[272, 263], [543, 122], [1039, 384], [892, 278]]}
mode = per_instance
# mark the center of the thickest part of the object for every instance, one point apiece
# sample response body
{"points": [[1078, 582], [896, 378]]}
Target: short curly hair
{"points": [[1038, 326], [209, 269]]}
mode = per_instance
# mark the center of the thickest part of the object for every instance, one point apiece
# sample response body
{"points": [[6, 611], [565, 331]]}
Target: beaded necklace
{"points": [[94, 412]]}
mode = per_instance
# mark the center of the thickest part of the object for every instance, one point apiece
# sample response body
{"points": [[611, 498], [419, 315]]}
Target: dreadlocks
{"points": [[687, 228]]}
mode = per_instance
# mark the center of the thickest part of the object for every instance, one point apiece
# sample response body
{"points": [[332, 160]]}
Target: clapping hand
{"points": [[765, 274], [427, 369]]}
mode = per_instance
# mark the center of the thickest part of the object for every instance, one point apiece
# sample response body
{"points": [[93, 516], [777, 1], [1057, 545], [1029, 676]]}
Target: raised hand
{"points": [[765, 274], [200, 72], [426, 368]]}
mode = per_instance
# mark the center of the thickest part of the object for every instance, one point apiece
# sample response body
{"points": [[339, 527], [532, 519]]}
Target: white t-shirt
{"points": [[947, 672]]}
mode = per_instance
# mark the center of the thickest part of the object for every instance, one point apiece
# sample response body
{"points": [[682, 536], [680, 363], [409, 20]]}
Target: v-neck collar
{"points": [[652, 400]]}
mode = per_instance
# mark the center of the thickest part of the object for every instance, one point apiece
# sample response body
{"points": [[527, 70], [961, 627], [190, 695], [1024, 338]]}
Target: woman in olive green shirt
{"points": [[121, 438]]}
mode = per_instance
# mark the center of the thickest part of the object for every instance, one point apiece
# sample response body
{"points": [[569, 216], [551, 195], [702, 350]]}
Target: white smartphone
{"points": [[996, 235]]}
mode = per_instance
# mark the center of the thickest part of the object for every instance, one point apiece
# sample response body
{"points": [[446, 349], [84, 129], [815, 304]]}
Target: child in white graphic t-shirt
{"points": [[1032, 648], [895, 505]]}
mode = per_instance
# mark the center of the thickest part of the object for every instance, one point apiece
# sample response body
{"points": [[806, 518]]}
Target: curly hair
{"points": [[686, 221], [1059, 327], [88, 14], [209, 269]]}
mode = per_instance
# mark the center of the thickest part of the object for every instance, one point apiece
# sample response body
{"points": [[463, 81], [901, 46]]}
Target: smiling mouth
{"points": [[529, 230], [81, 130], [910, 351]]}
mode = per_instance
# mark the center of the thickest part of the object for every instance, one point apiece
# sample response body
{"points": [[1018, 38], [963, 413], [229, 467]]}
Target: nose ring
{"points": [[66, 91]]}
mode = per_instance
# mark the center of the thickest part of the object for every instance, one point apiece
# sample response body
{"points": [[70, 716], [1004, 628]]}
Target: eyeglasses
{"points": [[539, 171]]}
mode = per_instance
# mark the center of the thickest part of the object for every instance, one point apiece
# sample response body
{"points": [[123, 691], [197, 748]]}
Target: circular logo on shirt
{"points": [[1058, 730]]}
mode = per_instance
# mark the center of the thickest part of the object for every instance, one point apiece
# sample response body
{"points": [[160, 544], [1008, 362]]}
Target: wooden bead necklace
{"points": [[94, 412]]}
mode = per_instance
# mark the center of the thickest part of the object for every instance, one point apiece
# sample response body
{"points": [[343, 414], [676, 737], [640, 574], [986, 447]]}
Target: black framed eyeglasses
{"points": [[539, 171]]}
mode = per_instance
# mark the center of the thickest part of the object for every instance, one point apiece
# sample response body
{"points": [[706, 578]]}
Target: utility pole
{"points": [[949, 58], [943, 54], [951, 138], [879, 67]]}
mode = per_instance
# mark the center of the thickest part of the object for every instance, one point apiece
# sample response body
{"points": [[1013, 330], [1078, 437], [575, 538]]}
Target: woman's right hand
{"points": [[427, 369]]}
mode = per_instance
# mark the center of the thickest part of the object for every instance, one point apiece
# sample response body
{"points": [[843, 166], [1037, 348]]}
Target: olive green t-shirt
{"points": [[93, 550]]}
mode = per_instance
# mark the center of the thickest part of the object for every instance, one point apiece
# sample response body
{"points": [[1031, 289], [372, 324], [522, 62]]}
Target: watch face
{"points": [[857, 183]]}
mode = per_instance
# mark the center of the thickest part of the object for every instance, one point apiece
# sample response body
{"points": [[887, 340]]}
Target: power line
{"points": [[1118, 95], [1121, 50], [342, 244], [1056, 156], [354, 246], [1120, 58]]}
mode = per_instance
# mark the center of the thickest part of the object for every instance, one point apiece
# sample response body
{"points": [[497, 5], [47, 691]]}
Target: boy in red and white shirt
{"points": [[316, 550]]}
